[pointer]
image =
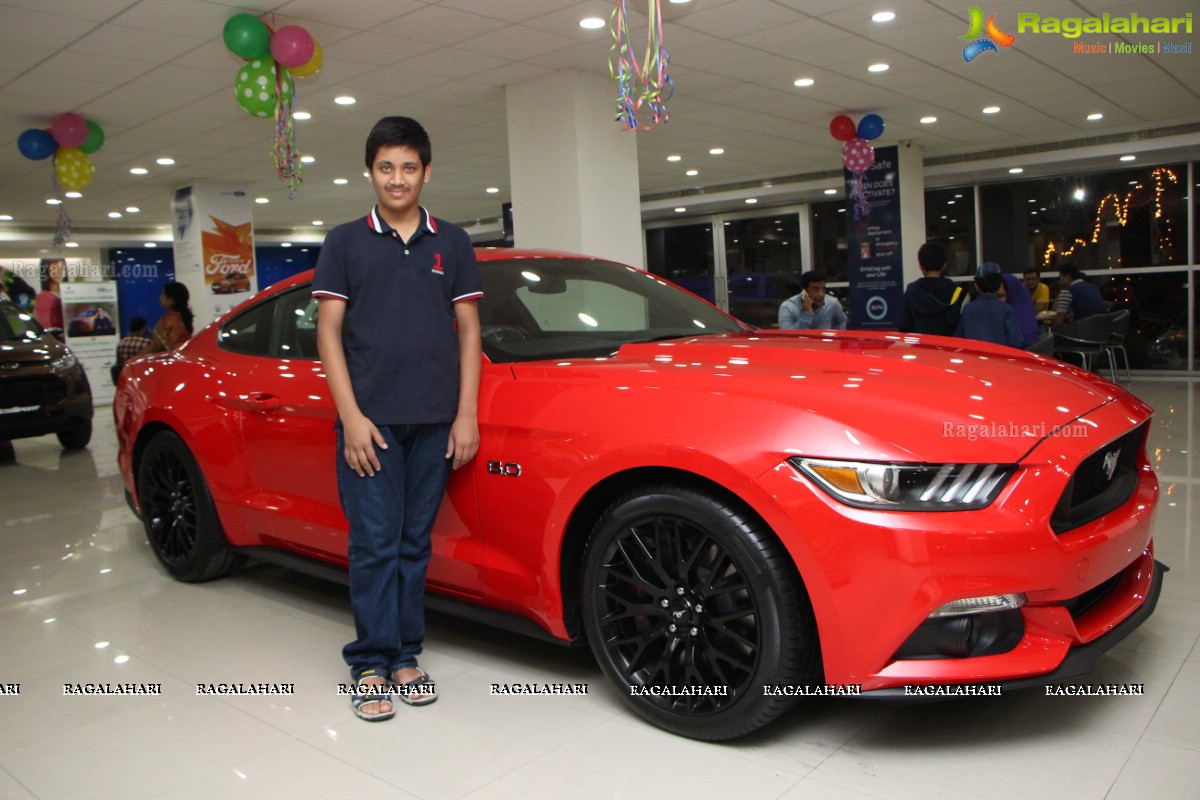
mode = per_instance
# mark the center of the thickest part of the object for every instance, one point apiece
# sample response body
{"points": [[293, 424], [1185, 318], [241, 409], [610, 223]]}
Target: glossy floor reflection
{"points": [[82, 599]]}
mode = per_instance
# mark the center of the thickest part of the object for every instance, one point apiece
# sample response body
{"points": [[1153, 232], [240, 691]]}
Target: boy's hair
{"points": [[136, 324], [811, 277], [398, 132], [989, 283], [1070, 269], [1035, 271], [932, 257]]}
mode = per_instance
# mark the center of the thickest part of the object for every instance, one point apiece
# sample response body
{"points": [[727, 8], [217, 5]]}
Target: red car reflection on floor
{"points": [[727, 516]]}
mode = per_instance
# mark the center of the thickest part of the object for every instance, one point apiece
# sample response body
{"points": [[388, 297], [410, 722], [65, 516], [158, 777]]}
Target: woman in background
{"points": [[1022, 306], [175, 325]]}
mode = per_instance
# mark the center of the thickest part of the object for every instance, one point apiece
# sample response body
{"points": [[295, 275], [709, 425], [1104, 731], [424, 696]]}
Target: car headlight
{"points": [[64, 362], [908, 487]]}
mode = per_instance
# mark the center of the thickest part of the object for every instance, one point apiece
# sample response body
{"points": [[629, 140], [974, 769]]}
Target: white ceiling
{"points": [[156, 75]]}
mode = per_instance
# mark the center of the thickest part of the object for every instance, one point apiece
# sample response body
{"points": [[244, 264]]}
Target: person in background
{"points": [[47, 305], [812, 309], [932, 303], [1039, 292], [1018, 297], [131, 346], [175, 325], [987, 318], [1077, 298]]}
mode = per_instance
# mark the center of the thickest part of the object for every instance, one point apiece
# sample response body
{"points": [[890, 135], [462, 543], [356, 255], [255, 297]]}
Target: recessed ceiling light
{"points": [[716, 151], [132, 209], [802, 82], [1128, 158], [165, 161], [74, 195], [883, 16], [54, 201], [928, 120], [301, 115], [591, 23], [878, 68], [72, 244], [991, 110], [674, 157], [679, 2], [307, 159], [6, 217], [285, 244], [1016, 171], [680, 209], [262, 200], [492, 190], [831, 191], [345, 100], [149, 244], [691, 173], [318, 222], [340, 181], [751, 201], [114, 215], [1080, 194], [1094, 117], [138, 171]]}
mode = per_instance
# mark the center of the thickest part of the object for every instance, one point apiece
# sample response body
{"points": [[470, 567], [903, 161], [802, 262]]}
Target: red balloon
{"points": [[292, 46], [843, 128], [69, 130]]}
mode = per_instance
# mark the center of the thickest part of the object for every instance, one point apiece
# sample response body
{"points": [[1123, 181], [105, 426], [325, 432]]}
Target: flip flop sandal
{"points": [[420, 691], [374, 693]]}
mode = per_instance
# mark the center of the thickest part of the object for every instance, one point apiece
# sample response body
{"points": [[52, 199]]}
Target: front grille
{"points": [[43, 391], [1102, 481]]}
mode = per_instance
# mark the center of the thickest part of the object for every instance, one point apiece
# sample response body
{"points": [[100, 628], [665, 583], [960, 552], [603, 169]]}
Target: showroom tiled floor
{"points": [[83, 599]]}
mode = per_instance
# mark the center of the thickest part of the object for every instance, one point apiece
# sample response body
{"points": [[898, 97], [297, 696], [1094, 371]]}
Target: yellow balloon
{"points": [[73, 169], [313, 65]]}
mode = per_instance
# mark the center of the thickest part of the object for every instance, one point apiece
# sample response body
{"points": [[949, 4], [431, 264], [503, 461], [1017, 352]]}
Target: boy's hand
{"points": [[463, 443], [359, 435]]}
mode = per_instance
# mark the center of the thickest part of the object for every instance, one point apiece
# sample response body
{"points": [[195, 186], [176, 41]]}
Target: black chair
{"points": [[1116, 340], [1085, 338], [1044, 346]]}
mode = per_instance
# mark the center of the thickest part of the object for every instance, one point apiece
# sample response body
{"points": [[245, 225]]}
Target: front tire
{"points": [[691, 606], [77, 437], [178, 513]]}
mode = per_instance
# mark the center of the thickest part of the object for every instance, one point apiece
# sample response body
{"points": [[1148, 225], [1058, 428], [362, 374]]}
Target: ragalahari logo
{"points": [[995, 36]]}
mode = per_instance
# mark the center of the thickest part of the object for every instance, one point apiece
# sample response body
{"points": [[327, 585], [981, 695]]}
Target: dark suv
{"points": [[43, 388]]}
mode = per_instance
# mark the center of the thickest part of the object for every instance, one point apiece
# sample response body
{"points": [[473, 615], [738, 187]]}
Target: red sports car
{"points": [[729, 518]]}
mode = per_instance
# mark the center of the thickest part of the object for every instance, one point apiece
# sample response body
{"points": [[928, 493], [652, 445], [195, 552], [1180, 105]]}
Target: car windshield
{"points": [[17, 325], [541, 308]]}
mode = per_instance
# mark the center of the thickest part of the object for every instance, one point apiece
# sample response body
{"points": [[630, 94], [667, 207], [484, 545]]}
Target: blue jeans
{"points": [[391, 517]]}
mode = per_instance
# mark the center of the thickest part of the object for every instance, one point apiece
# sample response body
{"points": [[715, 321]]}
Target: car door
{"points": [[288, 420]]}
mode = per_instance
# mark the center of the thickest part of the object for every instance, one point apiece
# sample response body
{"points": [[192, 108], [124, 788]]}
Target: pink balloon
{"points": [[69, 130], [292, 46], [858, 155]]}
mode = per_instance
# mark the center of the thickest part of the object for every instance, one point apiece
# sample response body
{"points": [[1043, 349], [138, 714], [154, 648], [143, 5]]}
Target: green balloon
{"points": [[247, 36], [94, 140], [254, 87]]}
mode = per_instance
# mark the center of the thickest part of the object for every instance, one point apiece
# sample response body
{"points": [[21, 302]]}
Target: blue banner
{"points": [[873, 242]]}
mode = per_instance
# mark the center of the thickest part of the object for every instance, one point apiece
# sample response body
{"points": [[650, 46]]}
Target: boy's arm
{"points": [[358, 431], [464, 433]]}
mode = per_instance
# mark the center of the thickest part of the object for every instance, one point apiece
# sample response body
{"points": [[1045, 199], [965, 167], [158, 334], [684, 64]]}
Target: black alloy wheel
{"points": [[178, 513], [691, 606]]}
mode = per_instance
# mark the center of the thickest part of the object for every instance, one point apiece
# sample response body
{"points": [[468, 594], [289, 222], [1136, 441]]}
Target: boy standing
{"points": [[987, 318], [398, 334]]}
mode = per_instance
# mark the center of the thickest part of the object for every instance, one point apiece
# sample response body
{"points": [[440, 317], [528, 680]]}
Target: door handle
{"points": [[260, 402]]}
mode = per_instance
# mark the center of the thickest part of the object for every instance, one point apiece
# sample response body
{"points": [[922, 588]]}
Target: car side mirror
{"points": [[57, 333]]}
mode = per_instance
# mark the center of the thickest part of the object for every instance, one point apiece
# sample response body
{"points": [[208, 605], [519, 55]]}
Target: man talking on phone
{"points": [[814, 309]]}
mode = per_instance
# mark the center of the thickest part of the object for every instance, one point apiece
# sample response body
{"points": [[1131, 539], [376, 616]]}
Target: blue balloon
{"points": [[870, 127], [36, 144]]}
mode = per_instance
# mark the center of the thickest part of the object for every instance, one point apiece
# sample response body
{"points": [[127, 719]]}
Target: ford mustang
{"points": [[730, 518]]}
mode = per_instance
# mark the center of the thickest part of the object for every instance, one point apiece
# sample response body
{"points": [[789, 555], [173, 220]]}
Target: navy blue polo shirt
{"points": [[399, 331]]}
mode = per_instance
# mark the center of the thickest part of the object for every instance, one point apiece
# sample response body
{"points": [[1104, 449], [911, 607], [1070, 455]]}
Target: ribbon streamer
{"points": [[62, 223], [287, 159], [645, 85]]}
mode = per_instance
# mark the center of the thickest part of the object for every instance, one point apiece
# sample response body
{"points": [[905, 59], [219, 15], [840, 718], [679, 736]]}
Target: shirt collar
{"points": [[376, 222]]}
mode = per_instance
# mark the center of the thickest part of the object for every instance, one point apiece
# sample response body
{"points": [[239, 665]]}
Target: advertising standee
{"points": [[874, 245]]}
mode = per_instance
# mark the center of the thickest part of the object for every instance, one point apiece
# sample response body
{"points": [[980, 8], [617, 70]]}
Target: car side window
{"points": [[283, 327]]}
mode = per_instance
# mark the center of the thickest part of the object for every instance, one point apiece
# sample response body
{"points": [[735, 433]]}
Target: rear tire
{"points": [[684, 590], [178, 513]]}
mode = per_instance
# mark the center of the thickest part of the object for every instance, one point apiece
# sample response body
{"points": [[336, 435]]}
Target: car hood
{"points": [[29, 352], [857, 395]]}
